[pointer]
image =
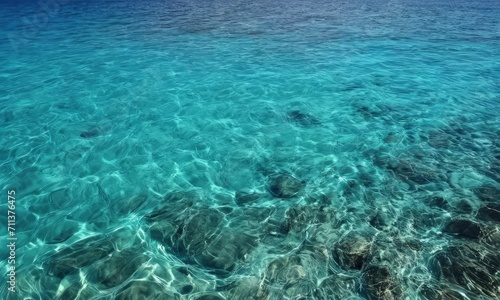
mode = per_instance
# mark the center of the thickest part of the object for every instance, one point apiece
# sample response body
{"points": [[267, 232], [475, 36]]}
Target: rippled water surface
{"points": [[251, 149]]}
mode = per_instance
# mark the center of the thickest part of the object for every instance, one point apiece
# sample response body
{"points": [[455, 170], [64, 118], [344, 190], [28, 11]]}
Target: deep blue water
{"points": [[251, 150]]}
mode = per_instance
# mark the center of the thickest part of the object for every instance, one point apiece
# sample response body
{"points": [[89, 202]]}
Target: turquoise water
{"points": [[252, 150]]}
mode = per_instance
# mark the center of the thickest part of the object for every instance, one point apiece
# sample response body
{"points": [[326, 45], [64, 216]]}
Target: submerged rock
{"points": [[437, 201], [142, 289], [463, 228], [488, 194], [209, 297], [378, 222], [295, 275], [390, 138], [426, 219], [489, 212], [418, 174], [491, 236], [116, 269], [336, 287], [463, 207], [285, 185], [175, 204], [186, 289], [78, 291], [181, 201], [428, 292], [226, 250], [303, 119], [472, 269], [243, 198], [379, 284], [59, 231], [439, 139], [128, 205], [202, 238], [89, 134], [298, 218], [79, 255], [405, 244], [198, 230], [369, 113], [353, 251], [249, 288]]}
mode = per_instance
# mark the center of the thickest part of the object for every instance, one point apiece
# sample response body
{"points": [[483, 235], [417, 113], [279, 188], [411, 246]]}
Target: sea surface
{"points": [[210, 150]]}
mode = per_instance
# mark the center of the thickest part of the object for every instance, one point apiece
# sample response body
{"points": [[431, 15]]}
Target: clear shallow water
{"points": [[266, 150]]}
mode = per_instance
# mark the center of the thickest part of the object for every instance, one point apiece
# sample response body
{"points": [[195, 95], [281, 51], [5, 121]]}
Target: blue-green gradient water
{"points": [[251, 149]]}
